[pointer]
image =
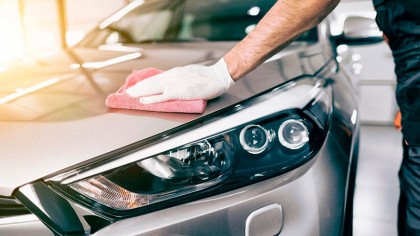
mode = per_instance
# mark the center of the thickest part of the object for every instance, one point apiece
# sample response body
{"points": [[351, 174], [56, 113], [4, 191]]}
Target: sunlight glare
{"points": [[11, 42]]}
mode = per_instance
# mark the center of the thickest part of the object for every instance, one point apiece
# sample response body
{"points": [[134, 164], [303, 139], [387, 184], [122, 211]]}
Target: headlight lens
{"points": [[231, 159], [236, 157], [255, 139], [293, 134], [173, 173]]}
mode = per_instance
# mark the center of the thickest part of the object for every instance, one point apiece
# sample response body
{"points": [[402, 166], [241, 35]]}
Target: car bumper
{"points": [[309, 200], [23, 225]]}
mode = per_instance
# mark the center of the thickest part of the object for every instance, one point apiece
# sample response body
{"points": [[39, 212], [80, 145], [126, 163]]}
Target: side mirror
{"points": [[359, 30]]}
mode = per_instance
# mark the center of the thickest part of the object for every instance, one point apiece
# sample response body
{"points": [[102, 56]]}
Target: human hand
{"points": [[184, 83], [397, 121]]}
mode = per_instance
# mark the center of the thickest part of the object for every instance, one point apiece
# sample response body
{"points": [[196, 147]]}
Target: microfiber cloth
{"points": [[121, 99]]}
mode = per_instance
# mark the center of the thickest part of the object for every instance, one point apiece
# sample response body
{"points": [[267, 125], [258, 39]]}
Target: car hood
{"points": [[53, 113]]}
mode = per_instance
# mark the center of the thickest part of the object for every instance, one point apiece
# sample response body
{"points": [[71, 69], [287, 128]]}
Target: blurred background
{"points": [[33, 29], [36, 28]]}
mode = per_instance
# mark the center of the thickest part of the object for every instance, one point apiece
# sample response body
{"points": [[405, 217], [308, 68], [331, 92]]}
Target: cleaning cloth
{"points": [[121, 99]]}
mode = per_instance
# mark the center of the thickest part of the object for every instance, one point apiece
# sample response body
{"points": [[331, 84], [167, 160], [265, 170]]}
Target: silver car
{"points": [[274, 155]]}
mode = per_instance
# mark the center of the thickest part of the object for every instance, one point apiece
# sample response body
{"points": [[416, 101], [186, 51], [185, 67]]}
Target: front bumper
{"points": [[309, 200], [23, 225], [312, 200]]}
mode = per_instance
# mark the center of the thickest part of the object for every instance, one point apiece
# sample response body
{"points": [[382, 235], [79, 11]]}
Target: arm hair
{"points": [[283, 23]]}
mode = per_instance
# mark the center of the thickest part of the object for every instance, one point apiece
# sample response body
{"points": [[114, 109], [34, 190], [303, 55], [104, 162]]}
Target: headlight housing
{"points": [[270, 144]]}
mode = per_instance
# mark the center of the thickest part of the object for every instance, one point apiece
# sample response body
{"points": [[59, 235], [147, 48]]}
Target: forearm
{"points": [[285, 21]]}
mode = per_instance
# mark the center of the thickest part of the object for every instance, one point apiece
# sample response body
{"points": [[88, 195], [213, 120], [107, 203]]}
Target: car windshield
{"points": [[183, 20]]}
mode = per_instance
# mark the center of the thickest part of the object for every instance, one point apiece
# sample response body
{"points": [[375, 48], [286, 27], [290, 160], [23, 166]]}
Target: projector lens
{"points": [[255, 139], [293, 134]]}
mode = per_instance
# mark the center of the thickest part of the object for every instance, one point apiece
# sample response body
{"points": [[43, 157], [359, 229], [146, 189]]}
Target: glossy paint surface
{"points": [[53, 118]]}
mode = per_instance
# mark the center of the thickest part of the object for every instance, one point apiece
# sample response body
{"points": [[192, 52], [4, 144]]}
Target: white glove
{"points": [[184, 83]]}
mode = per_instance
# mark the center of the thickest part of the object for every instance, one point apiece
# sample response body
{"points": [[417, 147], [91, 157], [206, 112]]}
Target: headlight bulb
{"points": [[293, 134], [255, 139]]}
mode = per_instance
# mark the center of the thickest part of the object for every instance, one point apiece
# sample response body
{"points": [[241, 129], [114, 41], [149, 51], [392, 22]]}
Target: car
{"points": [[276, 154]]}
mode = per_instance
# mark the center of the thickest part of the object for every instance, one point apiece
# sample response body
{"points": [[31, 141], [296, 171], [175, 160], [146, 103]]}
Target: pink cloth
{"points": [[120, 99]]}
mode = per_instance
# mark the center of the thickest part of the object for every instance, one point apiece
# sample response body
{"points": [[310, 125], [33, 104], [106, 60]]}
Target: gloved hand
{"points": [[184, 83]]}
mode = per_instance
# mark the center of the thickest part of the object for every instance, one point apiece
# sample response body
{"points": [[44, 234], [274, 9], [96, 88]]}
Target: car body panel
{"points": [[55, 116], [55, 122], [303, 194], [23, 225], [308, 207]]}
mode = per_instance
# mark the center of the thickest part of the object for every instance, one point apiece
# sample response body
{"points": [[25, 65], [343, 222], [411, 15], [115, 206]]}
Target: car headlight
{"points": [[266, 145], [293, 134]]}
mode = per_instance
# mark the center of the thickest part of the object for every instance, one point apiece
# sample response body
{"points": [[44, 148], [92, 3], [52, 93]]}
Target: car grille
{"points": [[9, 207]]}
